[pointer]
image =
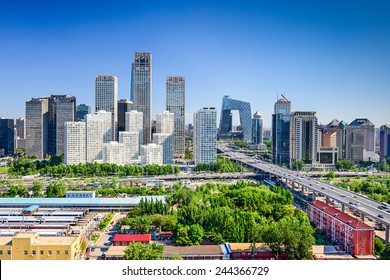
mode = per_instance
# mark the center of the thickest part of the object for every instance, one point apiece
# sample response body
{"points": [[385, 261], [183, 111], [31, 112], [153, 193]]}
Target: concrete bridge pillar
{"points": [[387, 234], [343, 208], [362, 216]]}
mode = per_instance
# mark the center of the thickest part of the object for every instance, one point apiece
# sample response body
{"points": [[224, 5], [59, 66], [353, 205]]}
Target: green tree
{"points": [[56, 189], [385, 255], [182, 236], [37, 189], [378, 246], [345, 165], [331, 174], [139, 251], [196, 234], [297, 165]]}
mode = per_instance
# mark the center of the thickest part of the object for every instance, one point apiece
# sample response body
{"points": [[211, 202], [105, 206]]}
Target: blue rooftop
{"points": [[32, 208]]}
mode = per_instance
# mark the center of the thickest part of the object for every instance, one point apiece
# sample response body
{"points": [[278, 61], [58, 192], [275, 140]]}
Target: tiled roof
{"points": [[132, 237], [353, 222], [197, 250]]}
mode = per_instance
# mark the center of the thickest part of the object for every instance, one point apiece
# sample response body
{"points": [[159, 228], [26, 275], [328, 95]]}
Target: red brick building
{"points": [[126, 239], [245, 251], [353, 235]]}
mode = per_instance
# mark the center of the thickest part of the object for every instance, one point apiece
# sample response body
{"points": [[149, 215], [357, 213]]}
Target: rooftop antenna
{"points": [[284, 97]]}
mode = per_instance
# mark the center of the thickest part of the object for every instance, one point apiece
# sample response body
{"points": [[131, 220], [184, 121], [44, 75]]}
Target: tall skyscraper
{"points": [[257, 128], [98, 132], [106, 98], [142, 89], [303, 137], [360, 140], [165, 122], [175, 103], [124, 106], [205, 135], [20, 128], [37, 124], [134, 123], [384, 142], [281, 131], [62, 109], [7, 137], [74, 144], [82, 110], [166, 141]]}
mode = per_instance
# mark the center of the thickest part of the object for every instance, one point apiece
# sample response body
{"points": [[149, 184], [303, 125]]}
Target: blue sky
{"points": [[332, 57]]}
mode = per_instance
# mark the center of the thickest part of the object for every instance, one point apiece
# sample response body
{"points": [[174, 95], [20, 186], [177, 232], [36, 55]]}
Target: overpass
{"points": [[291, 179]]}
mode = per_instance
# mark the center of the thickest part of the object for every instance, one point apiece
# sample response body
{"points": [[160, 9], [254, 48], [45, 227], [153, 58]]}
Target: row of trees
{"points": [[54, 189], [55, 168], [223, 165]]}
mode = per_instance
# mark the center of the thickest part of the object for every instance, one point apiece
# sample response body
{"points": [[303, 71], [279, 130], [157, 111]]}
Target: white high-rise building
{"points": [[205, 135], [113, 152], [175, 103], [151, 154], [166, 141], [98, 132], [130, 140], [106, 98], [142, 91], [134, 123], [74, 143], [165, 122]]}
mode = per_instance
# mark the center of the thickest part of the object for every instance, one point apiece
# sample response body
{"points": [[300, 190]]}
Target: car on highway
{"points": [[380, 216]]}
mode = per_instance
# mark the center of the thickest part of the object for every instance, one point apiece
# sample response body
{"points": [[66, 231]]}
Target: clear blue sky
{"points": [[332, 57]]}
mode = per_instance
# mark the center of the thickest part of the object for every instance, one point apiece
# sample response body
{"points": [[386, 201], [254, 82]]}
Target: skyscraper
{"points": [[62, 109], [281, 132], [142, 89], [205, 135], [20, 128], [113, 152], [360, 140], [303, 137], [106, 98], [37, 124], [124, 106], [82, 110], [98, 132], [165, 122], [384, 142], [74, 144], [7, 137], [257, 128], [175, 103], [134, 123]]}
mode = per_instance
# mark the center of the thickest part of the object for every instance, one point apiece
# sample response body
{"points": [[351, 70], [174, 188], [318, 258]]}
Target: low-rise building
{"points": [[30, 246], [249, 251], [353, 235], [126, 239]]}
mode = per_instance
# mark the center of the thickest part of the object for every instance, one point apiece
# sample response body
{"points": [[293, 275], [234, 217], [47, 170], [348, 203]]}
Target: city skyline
{"points": [[330, 58]]}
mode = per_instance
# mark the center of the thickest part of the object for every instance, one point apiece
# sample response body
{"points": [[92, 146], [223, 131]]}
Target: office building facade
{"points": [[81, 111], [113, 152], [124, 106], [151, 154], [62, 109], [98, 132], [7, 137], [205, 135], [175, 103], [142, 91], [106, 98], [165, 122], [303, 137], [37, 127], [384, 142], [360, 140], [75, 143], [20, 128], [281, 132], [130, 140], [257, 128], [166, 141]]}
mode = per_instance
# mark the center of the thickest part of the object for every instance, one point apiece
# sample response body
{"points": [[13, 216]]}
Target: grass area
{"points": [[106, 221], [4, 169], [95, 237]]}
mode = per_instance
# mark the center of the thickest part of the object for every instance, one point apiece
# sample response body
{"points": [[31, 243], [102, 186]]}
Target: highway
{"points": [[363, 204]]}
